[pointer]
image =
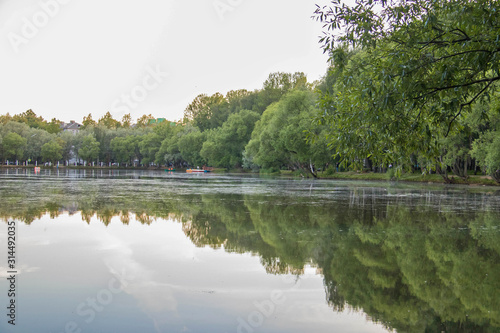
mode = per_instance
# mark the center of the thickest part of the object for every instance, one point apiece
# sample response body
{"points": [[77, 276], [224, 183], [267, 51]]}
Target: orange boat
{"points": [[196, 170]]}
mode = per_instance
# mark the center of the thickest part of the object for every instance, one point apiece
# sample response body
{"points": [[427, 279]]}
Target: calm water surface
{"points": [[151, 251]]}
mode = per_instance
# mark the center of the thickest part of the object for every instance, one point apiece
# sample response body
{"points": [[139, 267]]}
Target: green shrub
{"points": [[330, 170]]}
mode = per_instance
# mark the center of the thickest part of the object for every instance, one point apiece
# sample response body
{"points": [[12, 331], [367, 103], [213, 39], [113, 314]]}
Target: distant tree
{"points": [[36, 138], [13, 126], [30, 118], [143, 121], [89, 150], [207, 112], [277, 85], [164, 129], [149, 146], [108, 121], [68, 141], [54, 126], [52, 152], [279, 138], [88, 121], [4, 119], [169, 152], [239, 100], [126, 120], [13, 146], [198, 109], [104, 135], [190, 145], [224, 145], [124, 148]]}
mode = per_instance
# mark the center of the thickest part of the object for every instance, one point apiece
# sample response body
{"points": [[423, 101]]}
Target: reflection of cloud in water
{"points": [[154, 298]]}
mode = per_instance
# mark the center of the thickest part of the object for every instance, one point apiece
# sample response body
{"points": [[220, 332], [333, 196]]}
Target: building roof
{"points": [[72, 125]]}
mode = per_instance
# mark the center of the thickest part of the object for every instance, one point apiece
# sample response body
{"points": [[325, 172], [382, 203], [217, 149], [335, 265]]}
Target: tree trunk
{"points": [[312, 169]]}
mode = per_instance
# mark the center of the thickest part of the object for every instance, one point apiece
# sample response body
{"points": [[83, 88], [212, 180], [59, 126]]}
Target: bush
{"points": [[330, 170], [270, 170]]}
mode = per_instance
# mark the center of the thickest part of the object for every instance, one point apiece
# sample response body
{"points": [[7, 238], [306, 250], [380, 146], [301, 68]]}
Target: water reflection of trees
{"points": [[411, 263]]}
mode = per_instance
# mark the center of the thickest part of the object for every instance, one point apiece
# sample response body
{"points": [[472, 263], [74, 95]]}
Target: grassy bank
{"points": [[406, 177]]}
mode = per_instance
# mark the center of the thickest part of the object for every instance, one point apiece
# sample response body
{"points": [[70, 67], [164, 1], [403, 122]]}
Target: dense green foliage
{"points": [[280, 137], [52, 152], [13, 145], [215, 131], [89, 150], [33, 121], [224, 145], [413, 83]]}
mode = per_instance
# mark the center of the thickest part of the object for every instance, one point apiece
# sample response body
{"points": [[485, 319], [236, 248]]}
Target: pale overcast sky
{"points": [[68, 58]]}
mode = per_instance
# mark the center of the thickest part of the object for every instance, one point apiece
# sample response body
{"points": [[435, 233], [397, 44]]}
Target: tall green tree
{"points": [[207, 112], [419, 67], [241, 99], [16, 127], [149, 146], [108, 121], [276, 86], [13, 146], [68, 141], [36, 138], [30, 118], [169, 152], [224, 145], [5, 118], [103, 135], [88, 121], [52, 152], [279, 139], [54, 126], [89, 150], [190, 145], [126, 120], [125, 148]]}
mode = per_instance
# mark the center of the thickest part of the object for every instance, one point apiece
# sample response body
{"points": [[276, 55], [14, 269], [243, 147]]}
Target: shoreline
{"points": [[473, 180]]}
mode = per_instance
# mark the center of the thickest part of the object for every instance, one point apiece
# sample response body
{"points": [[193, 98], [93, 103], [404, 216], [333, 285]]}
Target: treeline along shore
{"points": [[410, 91], [275, 129]]}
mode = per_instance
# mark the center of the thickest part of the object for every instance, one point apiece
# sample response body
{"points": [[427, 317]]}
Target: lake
{"points": [[151, 251]]}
